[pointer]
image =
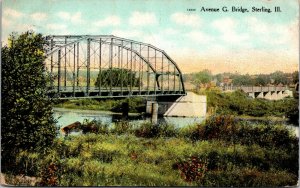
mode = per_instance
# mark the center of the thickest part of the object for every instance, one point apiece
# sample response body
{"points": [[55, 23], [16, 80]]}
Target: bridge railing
{"points": [[250, 89]]}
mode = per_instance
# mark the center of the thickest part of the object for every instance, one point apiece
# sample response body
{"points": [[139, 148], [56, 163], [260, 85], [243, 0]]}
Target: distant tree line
{"points": [[237, 79], [116, 78]]}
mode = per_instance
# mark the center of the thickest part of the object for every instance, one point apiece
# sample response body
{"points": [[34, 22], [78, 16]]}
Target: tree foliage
{"points": [[238, 79], [117, 77], [27, 121], [242, 80], [202, 77]]}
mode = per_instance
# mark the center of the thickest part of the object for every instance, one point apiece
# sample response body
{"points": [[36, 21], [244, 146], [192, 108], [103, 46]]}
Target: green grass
{"points": [[239, 104], [198, 155]]}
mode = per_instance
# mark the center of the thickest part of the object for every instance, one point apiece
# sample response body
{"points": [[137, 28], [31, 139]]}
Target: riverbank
{"points": [[136, 105], [221, 152], [235, 103]]}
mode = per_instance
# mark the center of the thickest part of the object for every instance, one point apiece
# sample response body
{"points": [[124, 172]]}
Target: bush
{"points": [[193, 169], [94, 127], [224, 127], [149, 130], [27, 123], [122, 127]]}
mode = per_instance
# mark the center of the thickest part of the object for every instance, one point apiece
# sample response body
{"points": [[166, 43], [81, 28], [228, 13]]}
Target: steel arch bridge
{"points": [[102, 66]]}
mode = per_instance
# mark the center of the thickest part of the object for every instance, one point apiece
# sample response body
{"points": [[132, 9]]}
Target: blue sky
{"points": [[252, 42]]}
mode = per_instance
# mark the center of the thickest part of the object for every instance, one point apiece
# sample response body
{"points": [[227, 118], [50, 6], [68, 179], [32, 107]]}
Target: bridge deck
{"points": [[93, 92], [251, 89]]}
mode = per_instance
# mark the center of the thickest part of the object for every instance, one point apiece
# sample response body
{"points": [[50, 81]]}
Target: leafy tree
{"points": [[262, 80], [201, 77], [295, 77], [27, 121], [116, 78], [242, 80], [279, 77]]}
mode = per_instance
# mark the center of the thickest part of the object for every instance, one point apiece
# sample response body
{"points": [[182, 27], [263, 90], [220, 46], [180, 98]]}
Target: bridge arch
{"points": [[74, 63]]}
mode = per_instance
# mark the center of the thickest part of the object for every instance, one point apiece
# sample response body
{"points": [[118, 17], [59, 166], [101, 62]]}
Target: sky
{"points": [[250, 42]]}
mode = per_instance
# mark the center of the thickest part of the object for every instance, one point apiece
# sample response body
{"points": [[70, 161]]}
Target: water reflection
{"points": [[68, 116]]}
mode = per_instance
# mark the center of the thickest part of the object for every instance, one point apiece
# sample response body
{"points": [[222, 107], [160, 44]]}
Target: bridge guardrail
{"points": [[249, 89]]}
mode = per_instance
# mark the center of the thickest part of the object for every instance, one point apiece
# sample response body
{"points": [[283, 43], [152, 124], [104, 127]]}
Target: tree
{"points": [[116, 78], [279, 77], [262, 80], [27, 123], [202, 77], [295, 77], [242, 80]]}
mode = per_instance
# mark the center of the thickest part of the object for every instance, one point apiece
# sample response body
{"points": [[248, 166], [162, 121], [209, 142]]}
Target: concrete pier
{"points": [[191, 105], [271, 95], [154, 113]]}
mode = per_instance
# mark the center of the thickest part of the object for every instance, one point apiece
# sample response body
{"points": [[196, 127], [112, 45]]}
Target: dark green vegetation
{"points": [[220, 152], [27, 124], [136, 104], [116, 77], [238, 103], [275, 78]]}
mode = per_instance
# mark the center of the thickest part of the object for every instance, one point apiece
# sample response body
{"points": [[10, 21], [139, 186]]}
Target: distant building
{"points": [[227, 81]]}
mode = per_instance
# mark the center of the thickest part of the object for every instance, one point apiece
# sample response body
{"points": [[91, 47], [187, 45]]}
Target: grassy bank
{"points": [[219, 152], [136, 104], [239, 104]]}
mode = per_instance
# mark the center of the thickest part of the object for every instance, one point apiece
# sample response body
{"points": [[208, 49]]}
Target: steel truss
{"points": [[75, 62]]}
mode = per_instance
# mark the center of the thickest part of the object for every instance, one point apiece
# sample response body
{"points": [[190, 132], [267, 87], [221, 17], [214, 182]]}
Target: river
{"points": [[67, 116]]}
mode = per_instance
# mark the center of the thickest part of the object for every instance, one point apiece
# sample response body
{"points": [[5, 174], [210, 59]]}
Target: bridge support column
{"points": [[191, 105], [268, 95], [260, 95], [280, 95], [252, 95], [154, 113]]}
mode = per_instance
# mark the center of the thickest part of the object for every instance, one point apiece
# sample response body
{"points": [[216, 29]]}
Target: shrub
{"points": [[193, 169], [27, 123], [149, 130], [94, 127], [122, 127]]}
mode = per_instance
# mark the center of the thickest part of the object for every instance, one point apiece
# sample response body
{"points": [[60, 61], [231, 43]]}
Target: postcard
{"points": [[150, 93]]}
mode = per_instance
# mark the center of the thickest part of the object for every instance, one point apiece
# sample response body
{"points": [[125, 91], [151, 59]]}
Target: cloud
{"points": [[5, 22], [159, 41], [170, 31], [54, 28], [257, 26], [38, 16], [186, 19], [199, 37], [74, 18], [285, 34], [228, 27], [25, 27], [108, 21], [225, 25], [11, 13], [127, 34], [142, 19]]}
